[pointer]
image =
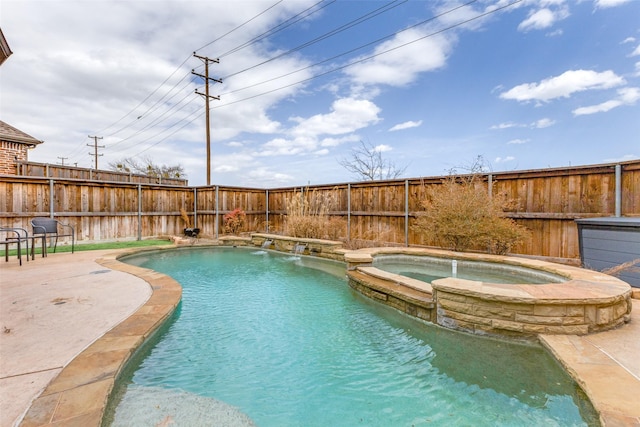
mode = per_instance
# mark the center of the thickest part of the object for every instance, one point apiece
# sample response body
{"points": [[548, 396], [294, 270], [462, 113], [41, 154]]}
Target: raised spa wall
{"points": [[588, 301]]}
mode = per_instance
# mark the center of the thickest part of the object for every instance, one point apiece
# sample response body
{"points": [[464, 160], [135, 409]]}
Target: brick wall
{"points": [[9, 153]]}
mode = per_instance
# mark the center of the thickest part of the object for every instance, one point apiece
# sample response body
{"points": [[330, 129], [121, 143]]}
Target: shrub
{"points": [[234, 221], [460, 214], [308, 217]]}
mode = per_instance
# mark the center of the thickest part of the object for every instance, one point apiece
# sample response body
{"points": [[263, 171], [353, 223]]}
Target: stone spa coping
{"points": [[588, 301]]}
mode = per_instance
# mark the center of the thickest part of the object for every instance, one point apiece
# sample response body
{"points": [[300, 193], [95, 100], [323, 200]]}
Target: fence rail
{"points": [[549, 201]]}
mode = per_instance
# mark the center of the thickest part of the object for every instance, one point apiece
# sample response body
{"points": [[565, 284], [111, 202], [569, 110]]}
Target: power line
{"points": [[178, 68], [280, 27], [302, 15], [241, 25], [328, 34], [341, 67]]}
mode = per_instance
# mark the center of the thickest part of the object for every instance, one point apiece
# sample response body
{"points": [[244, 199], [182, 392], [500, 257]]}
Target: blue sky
{"points": [[430, 84]]}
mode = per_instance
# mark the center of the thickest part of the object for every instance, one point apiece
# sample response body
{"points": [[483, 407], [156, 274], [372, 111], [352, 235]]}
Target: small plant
{"points": [[234, 221], [460, 214]]}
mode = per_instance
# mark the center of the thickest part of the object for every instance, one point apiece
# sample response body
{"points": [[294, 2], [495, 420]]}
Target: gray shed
{"points": [[609, 242]]}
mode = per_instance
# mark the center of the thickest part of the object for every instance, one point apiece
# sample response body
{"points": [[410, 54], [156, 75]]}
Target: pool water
{"points": [[262, 338], [428, 269]]}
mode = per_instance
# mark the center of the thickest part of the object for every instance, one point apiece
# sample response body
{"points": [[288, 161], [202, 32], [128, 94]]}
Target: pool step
{"points": [[407, 299]]}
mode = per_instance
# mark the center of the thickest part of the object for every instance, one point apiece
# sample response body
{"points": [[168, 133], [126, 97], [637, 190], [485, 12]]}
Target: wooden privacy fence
{"points": [[47, 170], [549, 201]]}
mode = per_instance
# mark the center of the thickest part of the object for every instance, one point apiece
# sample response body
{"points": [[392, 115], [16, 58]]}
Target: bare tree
{"points": [[367, 164], [478, 165], [147, 167]]}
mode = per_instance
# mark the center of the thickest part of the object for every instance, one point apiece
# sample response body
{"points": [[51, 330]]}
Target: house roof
{"points": [[10, 134], [5, 50]]}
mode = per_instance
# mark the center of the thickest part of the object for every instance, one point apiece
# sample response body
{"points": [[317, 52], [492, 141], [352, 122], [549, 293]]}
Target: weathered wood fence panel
{"points": [[548, 202]]}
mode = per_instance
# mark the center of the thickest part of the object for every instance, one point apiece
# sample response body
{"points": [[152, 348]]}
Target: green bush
{"points": [[460, 214]]}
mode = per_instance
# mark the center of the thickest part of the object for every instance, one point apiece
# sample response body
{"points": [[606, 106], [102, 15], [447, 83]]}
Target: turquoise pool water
{"points": [[260, 337]]}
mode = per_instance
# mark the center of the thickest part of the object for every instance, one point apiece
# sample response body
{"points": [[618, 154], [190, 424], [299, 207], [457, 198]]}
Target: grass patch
{"points": [[97, 246]]}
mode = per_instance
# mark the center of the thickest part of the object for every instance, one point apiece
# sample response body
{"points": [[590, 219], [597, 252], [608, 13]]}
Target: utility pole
{"points": [[62, 159], [206, 95], [95, 148]]}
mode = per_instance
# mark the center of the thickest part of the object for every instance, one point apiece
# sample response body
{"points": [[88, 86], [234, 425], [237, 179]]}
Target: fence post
{"points": [[267, 212], [217, 214], [139, 212], [618, 190], [51, 199], [348, 212], [490, 185], [195, 207], [406, 212]]}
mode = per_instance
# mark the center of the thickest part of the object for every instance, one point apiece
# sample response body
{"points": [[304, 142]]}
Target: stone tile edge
{"points": [[610, 413]]}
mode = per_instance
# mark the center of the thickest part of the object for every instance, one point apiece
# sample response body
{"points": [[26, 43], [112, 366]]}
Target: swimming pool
{"points": [[284, 344]]}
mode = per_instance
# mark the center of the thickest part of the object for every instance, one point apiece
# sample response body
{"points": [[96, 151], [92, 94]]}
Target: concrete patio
{"points": [[70, 321]]}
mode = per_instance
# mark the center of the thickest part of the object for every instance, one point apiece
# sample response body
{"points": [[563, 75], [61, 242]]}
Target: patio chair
{"points": [[12, 236], [52, 228]]}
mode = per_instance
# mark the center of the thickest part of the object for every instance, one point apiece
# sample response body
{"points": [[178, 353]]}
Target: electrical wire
{"points": [[327, 35], [372, 56], [302, 46], [280, 27]]}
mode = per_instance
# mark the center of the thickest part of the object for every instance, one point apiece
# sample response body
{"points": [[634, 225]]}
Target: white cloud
{"points": [[347, 115], [334, 142], [382, 148], [628, 40], [506, 126], [543, 18], [564, 85], [543, 123], [603, 4], [626, 96], [636, 51], [400, 60], [406, 125], [288, 147], [538, 124], [504, 159], [110, 56], [264, 176], [518, 141]]}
